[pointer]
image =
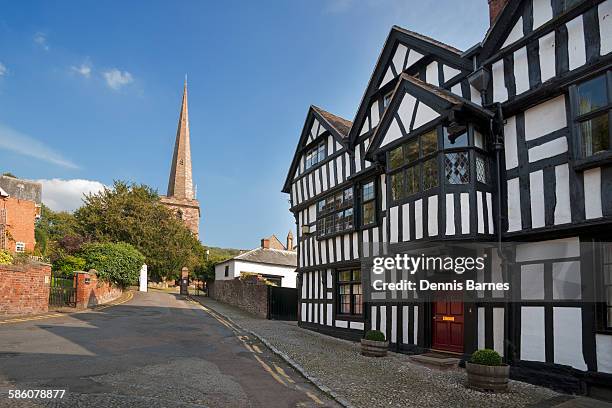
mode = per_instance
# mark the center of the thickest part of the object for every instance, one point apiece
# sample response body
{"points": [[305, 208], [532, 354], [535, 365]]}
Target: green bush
{"points": [[68, 264], [486, 357], [5, 257], [375, 335], [119, 263]]}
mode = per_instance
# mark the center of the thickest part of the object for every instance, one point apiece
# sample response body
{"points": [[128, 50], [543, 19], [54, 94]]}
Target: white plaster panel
{"points": [[374, 115], [532, 281], [547, 56], [393, 223], [510, 143], [418, 219], [450, 214], [563, 212], [398, 57], [393, 324], [413, 57], [552, 249], [490, 213], [406, 222], [480, 212], [432, 215], [356, 325], [383, 321], [604, 11], [342, 323], [536, 191], [415, 329], [514, 205], [532, 334], [500, 93], [357, 160], [431, 74], [521, 70], [464, 200], [576, 47], [592, 190], [449, 73], [425, 114], [542, 12], [548, 149], [604, 353], [566, 280], [481, 328], [393, 133], [405, 110], [329, 317], [498, 330], [388, 77], [567, 326], [545, 118], [405, 311]]}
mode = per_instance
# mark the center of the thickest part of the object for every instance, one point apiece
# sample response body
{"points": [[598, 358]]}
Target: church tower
{"points": [[181, 198]]}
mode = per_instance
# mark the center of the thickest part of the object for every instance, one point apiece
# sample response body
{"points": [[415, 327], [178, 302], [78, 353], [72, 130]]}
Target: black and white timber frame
{"points": [[518, 86]]}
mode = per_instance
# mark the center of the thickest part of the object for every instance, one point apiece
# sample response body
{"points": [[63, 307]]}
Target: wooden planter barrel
{"points": [[373, 348], [488, 378]]}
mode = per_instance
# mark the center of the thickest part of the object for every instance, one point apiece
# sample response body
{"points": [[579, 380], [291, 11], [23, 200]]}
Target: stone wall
{"points": [[91, 291], [24, 289], [249, 295]]}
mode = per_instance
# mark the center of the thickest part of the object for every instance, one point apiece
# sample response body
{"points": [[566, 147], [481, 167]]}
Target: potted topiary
{"points": [[487, 372], [374, 344]]}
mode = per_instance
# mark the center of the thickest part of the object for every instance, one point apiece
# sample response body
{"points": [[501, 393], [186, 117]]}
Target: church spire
{"points": [[180, 184]]}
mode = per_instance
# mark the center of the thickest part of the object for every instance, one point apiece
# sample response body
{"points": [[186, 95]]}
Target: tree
{"points": [[118, 263], [53, 227], [133, 213]]}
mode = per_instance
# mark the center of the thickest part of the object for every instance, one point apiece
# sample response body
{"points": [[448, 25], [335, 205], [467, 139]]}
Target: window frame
{"points": [[20, 247], [352, 296], [324, 212], [603, 308], [582, 162], [226, 271], [316, 148], [362, 203]]}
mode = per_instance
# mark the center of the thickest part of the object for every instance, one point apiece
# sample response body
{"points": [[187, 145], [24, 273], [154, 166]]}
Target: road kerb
{"points": [[314, 380]]}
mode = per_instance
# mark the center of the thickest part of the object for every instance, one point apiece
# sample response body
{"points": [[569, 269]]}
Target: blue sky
{"points": [[90, 91]]}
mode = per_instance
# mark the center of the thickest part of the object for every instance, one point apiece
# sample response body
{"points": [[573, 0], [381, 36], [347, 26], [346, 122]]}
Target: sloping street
{"points": [[156, 350]]}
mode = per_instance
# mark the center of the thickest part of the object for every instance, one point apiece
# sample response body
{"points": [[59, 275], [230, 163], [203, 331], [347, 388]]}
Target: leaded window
{"points": [[592, 114], [482, 169], [350, 294], [335, 213], [368, 203], [316, 154], [457, 167]]}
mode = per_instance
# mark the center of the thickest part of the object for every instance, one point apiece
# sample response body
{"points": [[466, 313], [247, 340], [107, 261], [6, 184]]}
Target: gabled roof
{"points": [[500, 28], [338, 127], [267, 256], [435, 97], [420, 42]]}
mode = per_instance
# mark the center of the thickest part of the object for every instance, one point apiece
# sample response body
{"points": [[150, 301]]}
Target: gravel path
{"points": [[392, 381]]}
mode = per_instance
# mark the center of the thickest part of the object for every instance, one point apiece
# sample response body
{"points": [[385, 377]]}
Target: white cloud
{"points": [[117, 79], [41, 39], [84, 69], [67, 195], [3, 69], [12, 140]]}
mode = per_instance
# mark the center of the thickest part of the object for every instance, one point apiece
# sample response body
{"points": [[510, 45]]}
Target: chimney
{"points": [[495, 7], [265, 243], [290, 241]]}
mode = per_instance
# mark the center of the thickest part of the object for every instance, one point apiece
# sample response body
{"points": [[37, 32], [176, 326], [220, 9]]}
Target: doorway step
{"points": [[436, 360]]}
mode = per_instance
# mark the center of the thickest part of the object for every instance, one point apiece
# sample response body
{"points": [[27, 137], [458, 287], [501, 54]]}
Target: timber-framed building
{"points": [[507, 141]]}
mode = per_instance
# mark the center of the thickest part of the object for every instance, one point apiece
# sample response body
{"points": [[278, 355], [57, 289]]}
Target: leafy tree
{"points": [[119, 263], [133, 213], [9, 174], [68, 264], [5, 257], [51, 228]]}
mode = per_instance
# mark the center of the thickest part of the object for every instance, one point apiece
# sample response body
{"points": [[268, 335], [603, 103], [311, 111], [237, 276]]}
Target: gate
{"points": [[282, 303], [62, 291]]}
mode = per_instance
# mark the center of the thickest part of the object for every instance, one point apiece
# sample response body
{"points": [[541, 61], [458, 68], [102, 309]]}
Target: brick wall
{"points": [[250, 295], [91, 291], [20, 219], [24, 289]]}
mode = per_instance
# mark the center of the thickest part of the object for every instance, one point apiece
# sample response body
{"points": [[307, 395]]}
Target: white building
{"points": [[272, 260]]}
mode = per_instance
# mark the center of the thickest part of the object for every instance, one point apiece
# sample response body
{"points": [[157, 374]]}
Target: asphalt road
{"points": [[156, 350]]}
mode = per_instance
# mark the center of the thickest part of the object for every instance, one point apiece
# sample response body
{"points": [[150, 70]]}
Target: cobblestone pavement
{"points": [[156, 350], [392, 381]]}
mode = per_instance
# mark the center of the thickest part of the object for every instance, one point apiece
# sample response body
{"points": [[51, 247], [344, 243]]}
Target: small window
{"points": [[20, 247], [316, 154], [350, 295], [368, 204], [335, 213], [592, 115], [226, 271]]}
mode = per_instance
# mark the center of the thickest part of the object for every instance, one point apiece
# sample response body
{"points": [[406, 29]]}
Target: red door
{"points": [[448, 322]]}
